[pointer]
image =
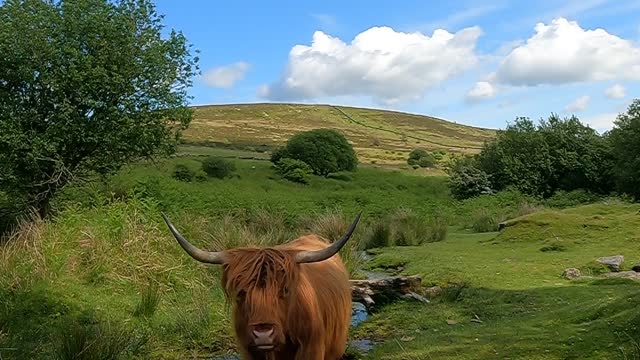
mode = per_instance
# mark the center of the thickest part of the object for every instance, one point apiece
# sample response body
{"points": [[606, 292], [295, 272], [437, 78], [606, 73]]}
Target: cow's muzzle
{"points": [[263, 337]]}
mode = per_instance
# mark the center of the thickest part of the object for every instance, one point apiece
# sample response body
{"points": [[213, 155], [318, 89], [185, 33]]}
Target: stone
{"points": [[433, 292], [571, 274], [613, 262], [636, 267], [623, 275]]}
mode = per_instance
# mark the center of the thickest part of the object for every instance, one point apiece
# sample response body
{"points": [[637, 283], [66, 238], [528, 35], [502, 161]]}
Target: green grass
{"points": [[379, 136], [525, 309], [104, 274]]}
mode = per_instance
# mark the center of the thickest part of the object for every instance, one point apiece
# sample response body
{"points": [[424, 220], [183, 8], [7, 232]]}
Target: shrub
{"points": [[182, 172], [278, 154], [427, 161], [294, 170], [466, 180], [218, 167], [201, 175], [416, 155], [324, 150]]}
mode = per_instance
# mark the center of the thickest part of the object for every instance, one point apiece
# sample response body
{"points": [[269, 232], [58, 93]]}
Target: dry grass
{"points": [[381, 137]]}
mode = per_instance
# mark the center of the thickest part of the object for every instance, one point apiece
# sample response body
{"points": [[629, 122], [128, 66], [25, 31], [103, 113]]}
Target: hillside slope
{"points": [[379, 136]]}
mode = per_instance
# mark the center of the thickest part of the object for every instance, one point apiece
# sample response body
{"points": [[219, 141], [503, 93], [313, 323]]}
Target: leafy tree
{"points": [[324, 150], [580, 157], [218, 167], [519, 156], [625, 141], [559, 154], [85, 87]]}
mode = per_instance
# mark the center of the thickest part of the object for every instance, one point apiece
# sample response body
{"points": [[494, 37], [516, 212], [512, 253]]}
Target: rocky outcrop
{"points": [[381, 291], [571, 274], [613, 262], [623, 275]]}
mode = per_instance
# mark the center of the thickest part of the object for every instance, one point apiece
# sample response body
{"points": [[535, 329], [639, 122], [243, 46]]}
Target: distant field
{"points": [[378, 136]]}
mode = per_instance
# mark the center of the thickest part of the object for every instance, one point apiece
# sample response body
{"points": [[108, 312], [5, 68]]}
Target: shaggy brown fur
{"points": [[309, 304]]}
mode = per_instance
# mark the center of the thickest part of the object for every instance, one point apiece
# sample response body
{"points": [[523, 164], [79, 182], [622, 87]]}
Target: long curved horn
{"points": [[320, 255], [209, 257]]}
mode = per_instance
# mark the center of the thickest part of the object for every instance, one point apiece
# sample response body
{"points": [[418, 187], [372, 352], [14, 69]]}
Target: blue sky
{"points": [[481, 63]]}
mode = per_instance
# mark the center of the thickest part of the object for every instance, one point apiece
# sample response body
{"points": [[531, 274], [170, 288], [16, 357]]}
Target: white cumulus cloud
{"points": [[226, 76], [601, 122], [481, 90], [388, 65], [579, 104], [563, 52], [615, 92]]}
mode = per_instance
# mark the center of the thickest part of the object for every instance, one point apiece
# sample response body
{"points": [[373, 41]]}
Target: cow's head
{"points": [[262, 284]]}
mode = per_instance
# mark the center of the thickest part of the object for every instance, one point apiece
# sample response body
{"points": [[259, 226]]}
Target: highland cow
{"points": [[290, 301]]}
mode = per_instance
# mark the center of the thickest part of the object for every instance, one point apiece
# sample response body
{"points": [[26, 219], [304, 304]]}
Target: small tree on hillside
{"points": [[324, 150], [85, 87], [625, 140]]}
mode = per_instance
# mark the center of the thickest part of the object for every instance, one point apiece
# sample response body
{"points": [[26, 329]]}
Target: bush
{"points": [[427, 161], [294, 170], [466, 180], [278, 154], [324, 150], [218, 167], [415, 156], [184, 173], [201, 175]]}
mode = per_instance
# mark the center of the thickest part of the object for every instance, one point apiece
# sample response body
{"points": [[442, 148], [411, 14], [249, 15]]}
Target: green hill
{"points": [[379, 136]]}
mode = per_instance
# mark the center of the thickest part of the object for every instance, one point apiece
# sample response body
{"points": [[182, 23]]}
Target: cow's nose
{"points": [[263, 335]]}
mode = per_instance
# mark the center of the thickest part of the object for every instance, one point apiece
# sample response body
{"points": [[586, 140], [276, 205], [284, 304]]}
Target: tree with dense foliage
{"points": [[558, 154], [324, 150], [85, 87], [625, 142]]}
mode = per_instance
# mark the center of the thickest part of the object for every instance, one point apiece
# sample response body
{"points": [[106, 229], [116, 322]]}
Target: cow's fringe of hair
{"points": [[264, 268]]}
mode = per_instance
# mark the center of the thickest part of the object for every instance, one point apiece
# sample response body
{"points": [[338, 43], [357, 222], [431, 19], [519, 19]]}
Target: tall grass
{"points": [[404, 227], [102, 341]]}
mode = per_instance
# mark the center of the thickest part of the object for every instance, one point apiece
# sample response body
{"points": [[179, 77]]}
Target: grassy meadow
{"points": [[378, 136], [105, 279]]}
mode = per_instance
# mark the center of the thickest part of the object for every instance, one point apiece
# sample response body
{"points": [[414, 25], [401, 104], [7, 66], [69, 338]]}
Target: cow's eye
{"points": [[241, 294], [285, 292]]}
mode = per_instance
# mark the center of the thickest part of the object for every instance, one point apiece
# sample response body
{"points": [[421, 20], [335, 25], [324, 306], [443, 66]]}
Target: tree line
{"points": [[557, 154]]}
